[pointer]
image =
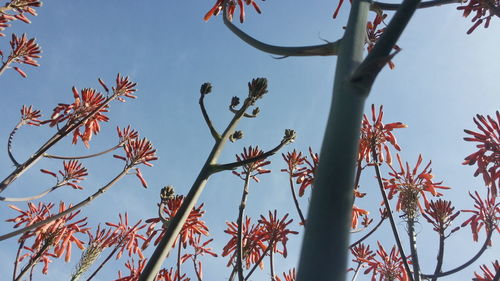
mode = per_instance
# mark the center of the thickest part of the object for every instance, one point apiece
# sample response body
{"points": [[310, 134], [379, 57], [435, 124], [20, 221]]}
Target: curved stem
{"points": [[9, 142], [382, 219], [329, 49], [69, 210], [466, 264], [389, 212], [440, 256], [239, 244], [213, 131], [29, 198], [295, 201], [83, 156], [427, 4]]}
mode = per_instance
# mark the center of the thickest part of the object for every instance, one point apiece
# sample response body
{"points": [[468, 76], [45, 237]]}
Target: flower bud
{"points": [[167, 192], [206, 88], [235, 101], [289, 136], [255, 111], [257, 88], [236, 136]]}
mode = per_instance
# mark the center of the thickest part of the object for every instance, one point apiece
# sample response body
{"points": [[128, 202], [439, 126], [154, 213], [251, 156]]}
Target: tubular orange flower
{"points": [[254, 168], [487, 275], [377, 134], [487, 214], [127, 134], [192, 227], [23, 51], [410, 186], [389, 267], [362, 253], [306, 176], [374, 32], [290, 276], [480, 7], [275, 230], [74, 172], [252, 244], [89, 101], [487, 157], [134, 273], [29, 116], [127, 237], [231, 7], [440, 214], [124, 88], [356, 213]]}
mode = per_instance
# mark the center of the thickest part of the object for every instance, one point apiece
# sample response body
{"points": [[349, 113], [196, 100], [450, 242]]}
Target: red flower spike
{"points": [[24, 51], [254, 168], [139, 152], [387, 266], [374, 33], [378, 134], [487, 157], [123, 88], [440, 214], [410, 185], [74, 172], [29, 116], [362, 253], [231, 8], [127, 134], [85, 103], [194, 225], [486, 214], [127, 237], [275, 230], [252, 244], [356, 213], [488, 275], [290, 276], [305, 175], [59, 233], [134, 273], [480, 8]]}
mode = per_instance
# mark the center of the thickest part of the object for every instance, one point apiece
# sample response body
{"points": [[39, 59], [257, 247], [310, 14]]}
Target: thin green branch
{"points": [[213, 131], [466, 264], [30, 198], [83, 156], [329, 49], [69, 210], [427, 4], [440, 256]]}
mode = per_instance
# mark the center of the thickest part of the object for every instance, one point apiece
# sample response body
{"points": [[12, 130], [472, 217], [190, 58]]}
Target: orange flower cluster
{"points": [[23, 51], [388, 266], [74, 172], [254, 168], [486, 214], [20, 8], [29, 116], [52, 239], [231, 8], [481, 8]]}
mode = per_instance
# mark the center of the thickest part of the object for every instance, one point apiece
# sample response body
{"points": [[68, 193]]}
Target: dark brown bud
{"points": [[236, 136], [206, 88], [257, 88], [289, 136], [255, 111], [166, 193], [235, 101]]}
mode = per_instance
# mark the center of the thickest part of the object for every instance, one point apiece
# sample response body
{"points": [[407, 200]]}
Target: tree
{"points": [[354, 122]]}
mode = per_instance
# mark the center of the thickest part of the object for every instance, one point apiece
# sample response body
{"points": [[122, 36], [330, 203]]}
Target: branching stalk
{"points": [[69, 210]]}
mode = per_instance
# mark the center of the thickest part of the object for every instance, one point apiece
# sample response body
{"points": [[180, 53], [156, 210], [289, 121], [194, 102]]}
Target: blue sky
{"points": [[443, 77]]}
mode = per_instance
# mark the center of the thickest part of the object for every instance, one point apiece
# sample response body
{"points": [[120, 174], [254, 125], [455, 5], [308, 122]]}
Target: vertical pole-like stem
{"points": [[440, 256], [239, 243], [324, 249], [413, 248], [271, 264]]}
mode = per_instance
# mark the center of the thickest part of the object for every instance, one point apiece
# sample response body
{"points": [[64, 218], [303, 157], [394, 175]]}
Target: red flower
{"points": [[138, 152], [23, 51], [134, 273], [377, 134], [374, 33], [488, 155], [305, 175], [410, 186], [481, 7], [291, 276], [488, 275], [89, 101], [487, 214], [30, 116], [252, 244], [126, 135], [124, 88], [192, 227], [170, 275], [127, 237], [440, 214], [231, 7], [254, 168], [356, 213], [275, 230], [362, 253], [389, 267], [73, 173], [58, 235]]}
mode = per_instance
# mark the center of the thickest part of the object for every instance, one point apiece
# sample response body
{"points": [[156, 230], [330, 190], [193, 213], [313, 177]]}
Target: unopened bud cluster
{"points": [[236, 136], [289, 136], [167, 193], [206, 88], [257, 88]]}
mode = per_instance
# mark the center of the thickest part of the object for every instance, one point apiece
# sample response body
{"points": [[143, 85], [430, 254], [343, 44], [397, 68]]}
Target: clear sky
{"points": [[443, 77]]}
